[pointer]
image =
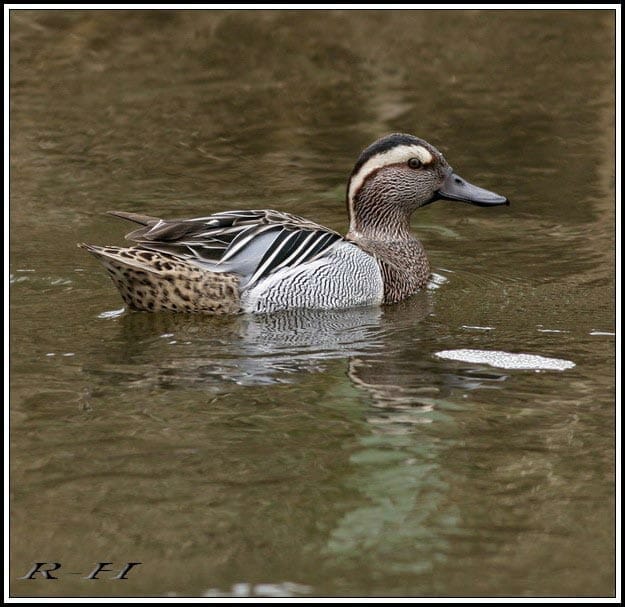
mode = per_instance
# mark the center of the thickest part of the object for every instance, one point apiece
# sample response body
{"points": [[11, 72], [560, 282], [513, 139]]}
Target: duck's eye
{"points": [[415, 163]]}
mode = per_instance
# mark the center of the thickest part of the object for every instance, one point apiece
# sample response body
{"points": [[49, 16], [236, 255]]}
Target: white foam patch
{"points": [[245, 589], [436, 281], [398, 154], [507, 360], [112, 313]]}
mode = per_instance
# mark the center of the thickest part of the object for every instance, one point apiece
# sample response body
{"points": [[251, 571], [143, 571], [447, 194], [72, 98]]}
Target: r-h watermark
{"points": [[45, 571]]}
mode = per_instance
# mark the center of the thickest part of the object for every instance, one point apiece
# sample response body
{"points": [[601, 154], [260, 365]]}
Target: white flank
{"points": [[396, 155]]}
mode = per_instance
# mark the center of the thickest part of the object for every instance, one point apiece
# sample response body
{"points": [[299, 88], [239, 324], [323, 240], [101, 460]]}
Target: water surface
{"points": [[314, 453]]}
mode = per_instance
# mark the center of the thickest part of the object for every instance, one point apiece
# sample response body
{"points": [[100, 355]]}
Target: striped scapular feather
{"points": [[254, 243]]}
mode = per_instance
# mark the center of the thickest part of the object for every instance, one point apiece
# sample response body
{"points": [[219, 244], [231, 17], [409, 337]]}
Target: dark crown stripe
{"points": [[383, 145]]}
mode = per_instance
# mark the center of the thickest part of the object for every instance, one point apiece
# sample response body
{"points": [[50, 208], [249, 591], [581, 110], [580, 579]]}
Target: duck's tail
{"points": [[155, 281]]}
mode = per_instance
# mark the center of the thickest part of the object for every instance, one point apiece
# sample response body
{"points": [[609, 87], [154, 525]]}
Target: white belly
{"points": [[345, 277]]}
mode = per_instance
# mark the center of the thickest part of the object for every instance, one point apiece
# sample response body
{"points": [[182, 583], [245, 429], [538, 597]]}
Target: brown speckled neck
{"points": [[404, 265], [380, 225]]}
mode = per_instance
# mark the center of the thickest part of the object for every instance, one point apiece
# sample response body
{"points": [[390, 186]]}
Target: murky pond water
{"points": [[315, 453]]}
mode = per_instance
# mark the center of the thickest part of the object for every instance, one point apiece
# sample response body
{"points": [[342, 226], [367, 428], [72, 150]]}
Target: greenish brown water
{"points": [[314, 453]]}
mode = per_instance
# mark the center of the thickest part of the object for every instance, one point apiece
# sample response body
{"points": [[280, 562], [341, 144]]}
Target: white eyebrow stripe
{"points": [[396, 155]]}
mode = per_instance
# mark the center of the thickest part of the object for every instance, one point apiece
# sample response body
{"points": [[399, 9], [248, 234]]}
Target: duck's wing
{"points": [[252, 243]]}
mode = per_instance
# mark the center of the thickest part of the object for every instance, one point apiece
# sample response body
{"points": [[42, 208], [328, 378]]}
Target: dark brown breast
{"points": [[404, 265]]}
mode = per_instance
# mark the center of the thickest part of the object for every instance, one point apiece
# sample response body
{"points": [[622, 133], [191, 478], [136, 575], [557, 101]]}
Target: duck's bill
{"points": [[456, 188]]}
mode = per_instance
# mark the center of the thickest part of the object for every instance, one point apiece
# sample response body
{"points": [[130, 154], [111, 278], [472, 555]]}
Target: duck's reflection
{"points": [[397, 465], [385, 352], [213, 353]]}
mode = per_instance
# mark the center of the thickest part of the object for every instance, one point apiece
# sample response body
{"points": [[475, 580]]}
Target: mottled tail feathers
{"points": [[154, 281]]}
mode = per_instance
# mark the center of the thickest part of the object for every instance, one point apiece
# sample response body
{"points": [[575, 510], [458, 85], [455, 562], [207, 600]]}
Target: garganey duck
{"points": [[265, 261]]}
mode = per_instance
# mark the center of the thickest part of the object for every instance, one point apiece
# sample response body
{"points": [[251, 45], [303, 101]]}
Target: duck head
{"points": [[396, 175]]}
